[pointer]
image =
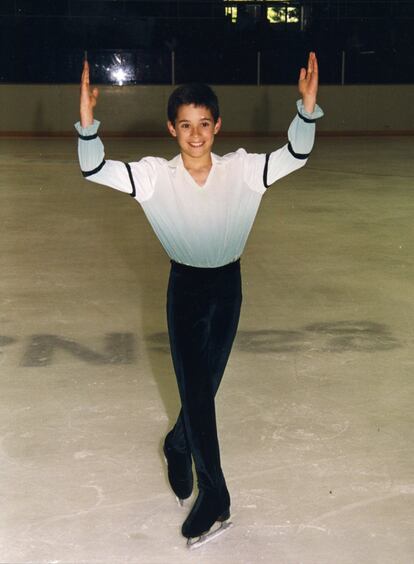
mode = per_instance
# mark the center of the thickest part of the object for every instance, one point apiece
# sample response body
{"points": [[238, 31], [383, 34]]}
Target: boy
{"points": [[202, 208]]}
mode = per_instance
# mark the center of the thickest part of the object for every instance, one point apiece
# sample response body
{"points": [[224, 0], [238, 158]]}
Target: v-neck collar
{"points": [[177, 162]]}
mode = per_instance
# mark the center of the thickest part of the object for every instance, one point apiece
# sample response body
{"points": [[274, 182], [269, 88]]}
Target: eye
{"points": [[205, 124], [185, 125]]}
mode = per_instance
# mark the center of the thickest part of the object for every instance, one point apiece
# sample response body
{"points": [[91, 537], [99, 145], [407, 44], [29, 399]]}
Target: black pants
{"points": [[203, 309]]}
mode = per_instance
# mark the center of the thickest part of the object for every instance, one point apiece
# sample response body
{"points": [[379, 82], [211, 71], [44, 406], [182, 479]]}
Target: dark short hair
{"points": [[196, 93]]}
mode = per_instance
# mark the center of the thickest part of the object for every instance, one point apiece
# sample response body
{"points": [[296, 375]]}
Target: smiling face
{"points": [[194, 130]]}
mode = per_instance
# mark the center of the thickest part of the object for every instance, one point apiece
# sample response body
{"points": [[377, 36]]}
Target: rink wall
{"points": [[246, 110]]}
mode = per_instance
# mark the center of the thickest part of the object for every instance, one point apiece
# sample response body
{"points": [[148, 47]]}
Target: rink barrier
{"points": [[140, 111]]}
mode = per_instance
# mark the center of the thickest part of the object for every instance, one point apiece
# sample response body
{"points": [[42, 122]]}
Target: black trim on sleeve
{"points": [[265, 171], [87, 137], [305, 119], [297, 155], [133, 193], [94, 171]]}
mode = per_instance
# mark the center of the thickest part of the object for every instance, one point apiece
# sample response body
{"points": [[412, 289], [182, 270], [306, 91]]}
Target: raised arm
{"points": [[91, 153], [301, 133]]}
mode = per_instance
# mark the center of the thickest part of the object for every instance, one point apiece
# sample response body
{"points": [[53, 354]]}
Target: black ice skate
{"points": [[180, 472], [209, 509]]}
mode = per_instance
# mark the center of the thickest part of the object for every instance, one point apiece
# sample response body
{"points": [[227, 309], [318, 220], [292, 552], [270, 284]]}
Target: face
{"points": [[194, 130]]}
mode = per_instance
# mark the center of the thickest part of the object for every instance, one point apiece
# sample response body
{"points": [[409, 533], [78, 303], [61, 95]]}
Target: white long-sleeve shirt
{"points": [[203, 226]]}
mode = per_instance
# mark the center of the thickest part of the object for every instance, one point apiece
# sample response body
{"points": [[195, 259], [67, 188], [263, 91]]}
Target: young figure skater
{"points": [[201, 207]]}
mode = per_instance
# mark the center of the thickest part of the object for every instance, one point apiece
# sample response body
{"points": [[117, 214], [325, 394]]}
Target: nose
{"points": [[195, 132]]}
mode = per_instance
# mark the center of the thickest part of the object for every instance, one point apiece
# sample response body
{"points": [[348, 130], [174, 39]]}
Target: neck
{"points": [[202, 163]]}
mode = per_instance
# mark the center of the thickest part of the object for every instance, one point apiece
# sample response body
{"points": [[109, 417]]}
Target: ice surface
{"points": [[315, 410]]}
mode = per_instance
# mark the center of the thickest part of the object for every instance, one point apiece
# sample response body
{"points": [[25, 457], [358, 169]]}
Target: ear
{"points": [[171, 128], [217, 126]]}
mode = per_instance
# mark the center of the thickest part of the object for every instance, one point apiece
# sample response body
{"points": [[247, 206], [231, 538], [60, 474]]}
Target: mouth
{"points": [[196, 145]]}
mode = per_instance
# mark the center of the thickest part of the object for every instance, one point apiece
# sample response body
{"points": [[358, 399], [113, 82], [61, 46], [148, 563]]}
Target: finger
{"points": [[83, 78], [85, 73], [310, 62], [302, 74], [95, 92], [315, 64]]}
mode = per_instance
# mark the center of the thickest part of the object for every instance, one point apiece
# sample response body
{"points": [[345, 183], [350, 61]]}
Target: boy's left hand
{"points": [[308, 83]]}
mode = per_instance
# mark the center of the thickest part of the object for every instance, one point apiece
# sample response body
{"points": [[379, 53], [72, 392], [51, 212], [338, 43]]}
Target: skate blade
{"points": [[195, 543]]}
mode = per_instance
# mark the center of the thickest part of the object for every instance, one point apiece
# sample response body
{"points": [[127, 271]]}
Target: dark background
{"points": [[357, 41]]}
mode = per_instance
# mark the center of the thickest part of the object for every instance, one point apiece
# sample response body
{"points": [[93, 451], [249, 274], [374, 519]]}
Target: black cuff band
{"points": [[297, 155], [265, 171], [131, 179], [305, 119], [87, 137], [94, 171]]}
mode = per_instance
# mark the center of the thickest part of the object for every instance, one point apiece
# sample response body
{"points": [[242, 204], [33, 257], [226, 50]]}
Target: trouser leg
{"points": [[222, 335], [203, 314], [177, 437]]}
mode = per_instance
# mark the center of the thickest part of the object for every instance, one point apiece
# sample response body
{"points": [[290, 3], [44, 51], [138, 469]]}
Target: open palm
{"points": [[88, 97], [308, 80]]}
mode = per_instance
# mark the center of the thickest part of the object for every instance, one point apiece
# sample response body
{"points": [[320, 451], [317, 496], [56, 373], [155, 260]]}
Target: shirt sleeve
{"points": [[263, 170], [135, 178], [301, 137]]}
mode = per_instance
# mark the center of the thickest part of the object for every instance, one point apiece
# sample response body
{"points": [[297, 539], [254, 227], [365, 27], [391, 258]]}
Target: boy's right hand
{"points": [[88, 97]]}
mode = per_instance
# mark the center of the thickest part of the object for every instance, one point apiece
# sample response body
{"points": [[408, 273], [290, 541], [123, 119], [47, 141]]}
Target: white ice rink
{"points": [[315, 411]]}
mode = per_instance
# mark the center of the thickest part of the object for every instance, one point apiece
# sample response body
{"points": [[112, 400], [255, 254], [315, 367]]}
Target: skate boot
{"points": [[210, 508], [180, 471]]}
